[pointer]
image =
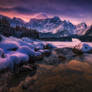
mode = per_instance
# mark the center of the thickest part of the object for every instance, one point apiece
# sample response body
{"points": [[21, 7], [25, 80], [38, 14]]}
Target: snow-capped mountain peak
{"points": [[45, 25], [18, 20], [82, 25], [41, 16], [81, 28], [49, 25]]}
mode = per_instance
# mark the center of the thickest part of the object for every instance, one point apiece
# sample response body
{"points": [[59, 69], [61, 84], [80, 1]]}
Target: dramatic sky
{"points": [[75, 11]]}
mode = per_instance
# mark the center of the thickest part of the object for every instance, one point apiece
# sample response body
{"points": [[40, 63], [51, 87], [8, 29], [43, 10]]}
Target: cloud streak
{"points": [[68, 8]]}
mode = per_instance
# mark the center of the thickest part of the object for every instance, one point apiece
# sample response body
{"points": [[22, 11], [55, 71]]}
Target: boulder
{"points": [[45, 52], [49, 46], [86, 48]]}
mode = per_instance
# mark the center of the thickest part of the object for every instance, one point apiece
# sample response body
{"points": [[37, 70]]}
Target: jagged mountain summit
{"points": [[45, 25], [41, 16], [81, 28], [17, 22], [56, 25], [52, 25]]}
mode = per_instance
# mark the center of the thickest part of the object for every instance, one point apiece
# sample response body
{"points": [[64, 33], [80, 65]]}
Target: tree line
{"points": [[7, 30]]}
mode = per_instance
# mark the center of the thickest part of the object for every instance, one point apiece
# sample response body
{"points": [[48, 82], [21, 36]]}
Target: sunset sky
{"points": [[75, 11]]}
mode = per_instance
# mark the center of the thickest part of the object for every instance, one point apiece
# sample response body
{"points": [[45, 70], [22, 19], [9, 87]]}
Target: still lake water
{"points": [[59, 44], [71, 75]]}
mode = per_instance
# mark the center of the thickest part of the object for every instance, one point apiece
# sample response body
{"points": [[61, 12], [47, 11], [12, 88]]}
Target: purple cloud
{"points": [[67, 8]]}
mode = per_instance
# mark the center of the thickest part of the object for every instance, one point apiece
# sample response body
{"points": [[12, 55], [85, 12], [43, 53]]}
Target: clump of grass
{"points": [[76, 49]]}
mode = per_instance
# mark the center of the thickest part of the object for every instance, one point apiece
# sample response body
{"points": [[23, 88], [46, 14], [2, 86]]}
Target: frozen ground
{"points": [[16, 51], [62, 71]]}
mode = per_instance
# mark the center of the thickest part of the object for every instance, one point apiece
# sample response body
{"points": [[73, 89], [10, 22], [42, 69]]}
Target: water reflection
{"points": [[62, 71]]}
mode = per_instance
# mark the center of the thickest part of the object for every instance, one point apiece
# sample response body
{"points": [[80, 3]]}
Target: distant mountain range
{"points": [[50, 25]]}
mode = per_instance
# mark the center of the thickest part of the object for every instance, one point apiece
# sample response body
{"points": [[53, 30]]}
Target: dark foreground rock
{"points": [[62, 71], [74, 76]]}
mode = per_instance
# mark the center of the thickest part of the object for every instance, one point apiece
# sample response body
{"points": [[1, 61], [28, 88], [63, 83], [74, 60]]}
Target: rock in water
{"points": [[49, 46], [86, 48]]}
